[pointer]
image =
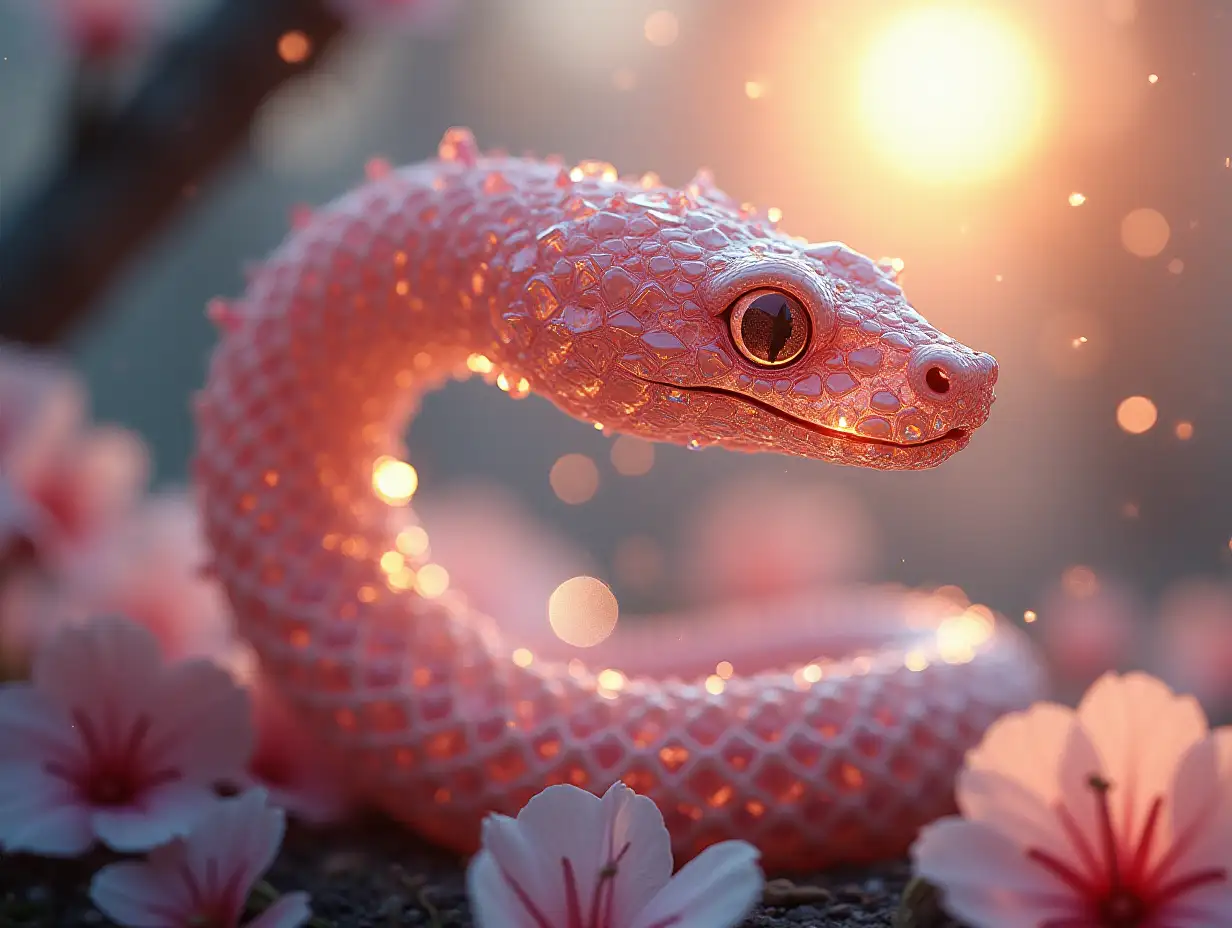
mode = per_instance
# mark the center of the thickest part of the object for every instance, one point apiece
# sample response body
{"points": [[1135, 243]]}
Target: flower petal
{"points": [[646, 866], [562, 822], [494, 904], [33, 728], [158, 815], [1028, 747], [716, 889], [1007, 807], [1200, 802], [985, 879], [140, 895], [239, 839], [202, 724], [42, 814], [1141, 729], [107, 669], [290, 911]]}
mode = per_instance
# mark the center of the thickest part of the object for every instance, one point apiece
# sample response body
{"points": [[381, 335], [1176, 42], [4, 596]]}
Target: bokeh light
{"points": [[394, 481], [661, 28], [1136, 414], [294, 47], [431, 580], [952, 94], [583, 611], [1145, 232], [574, 478], [631, 456]]}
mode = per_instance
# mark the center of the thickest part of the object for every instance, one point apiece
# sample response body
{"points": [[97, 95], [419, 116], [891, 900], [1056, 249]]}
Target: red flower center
{"points": [[1114, 879], [117, 769]]}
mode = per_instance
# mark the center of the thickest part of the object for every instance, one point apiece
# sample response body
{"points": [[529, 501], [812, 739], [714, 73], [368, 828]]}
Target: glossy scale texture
{"points": [[849, 715]]}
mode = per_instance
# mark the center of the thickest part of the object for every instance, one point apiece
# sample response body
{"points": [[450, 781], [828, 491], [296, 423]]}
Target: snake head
{"points": [[704, 326]]}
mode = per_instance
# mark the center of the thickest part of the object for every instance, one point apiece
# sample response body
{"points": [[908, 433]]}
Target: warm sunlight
{"points": [[952, 94]]}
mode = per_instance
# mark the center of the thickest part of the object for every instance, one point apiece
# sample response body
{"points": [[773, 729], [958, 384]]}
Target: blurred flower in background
{"points": [[756, 536], [1193, 644], [100, 30], [1088, 624]]}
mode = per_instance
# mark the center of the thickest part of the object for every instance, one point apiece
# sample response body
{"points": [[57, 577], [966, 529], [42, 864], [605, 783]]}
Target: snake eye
{"points": [[770, 327]]}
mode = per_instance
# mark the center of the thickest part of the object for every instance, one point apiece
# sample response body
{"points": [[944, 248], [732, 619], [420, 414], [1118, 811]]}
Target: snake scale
{"points": [[676, 315]]}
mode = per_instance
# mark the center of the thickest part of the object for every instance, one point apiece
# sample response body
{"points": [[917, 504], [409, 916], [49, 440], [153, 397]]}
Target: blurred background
{"points": [[1054, 175]]}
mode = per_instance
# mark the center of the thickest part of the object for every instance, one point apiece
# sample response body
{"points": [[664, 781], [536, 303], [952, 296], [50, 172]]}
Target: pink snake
{"points": [[675, 315]]}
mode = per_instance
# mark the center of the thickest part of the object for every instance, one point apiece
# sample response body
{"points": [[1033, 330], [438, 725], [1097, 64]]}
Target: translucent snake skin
{"points": [[615, 298]]}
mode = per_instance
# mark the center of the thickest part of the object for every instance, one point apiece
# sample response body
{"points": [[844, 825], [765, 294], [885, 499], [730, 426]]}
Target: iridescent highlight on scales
{"points": [[679, 316]]}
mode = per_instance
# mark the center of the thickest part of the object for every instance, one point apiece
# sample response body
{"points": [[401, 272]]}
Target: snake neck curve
{"points": [[607, 296]]}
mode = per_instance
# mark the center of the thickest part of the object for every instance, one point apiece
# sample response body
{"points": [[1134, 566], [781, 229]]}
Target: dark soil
{"points": [[375, 875]]}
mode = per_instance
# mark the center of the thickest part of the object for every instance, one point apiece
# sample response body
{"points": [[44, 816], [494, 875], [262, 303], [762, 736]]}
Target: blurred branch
{"points": [[107, 199]]}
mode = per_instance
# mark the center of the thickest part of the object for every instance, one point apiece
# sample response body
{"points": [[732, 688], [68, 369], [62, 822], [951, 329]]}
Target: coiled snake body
{"points": [[675, 315]]}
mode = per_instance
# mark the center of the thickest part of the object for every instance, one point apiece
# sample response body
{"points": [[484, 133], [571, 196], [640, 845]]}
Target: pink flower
{"points": [[1116, 815], [148, 568], [289, 762], [99, 29], [1088, 625], [62, 481], [105, 742], [1195, 639], [821, 537], [203, 878], [573, 860]]}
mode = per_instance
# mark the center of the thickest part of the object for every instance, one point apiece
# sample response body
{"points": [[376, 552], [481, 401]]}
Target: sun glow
{"points": [[951, 94]]}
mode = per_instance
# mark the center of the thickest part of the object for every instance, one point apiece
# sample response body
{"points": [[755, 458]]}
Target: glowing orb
{"points": [[951, 94], [583, 611]]}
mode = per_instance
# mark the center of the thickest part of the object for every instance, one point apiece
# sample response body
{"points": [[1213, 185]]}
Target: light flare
{"points": [[394, 481], [952, 94]]}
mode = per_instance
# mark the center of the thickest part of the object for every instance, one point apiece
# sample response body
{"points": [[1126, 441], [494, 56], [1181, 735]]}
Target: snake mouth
{"points": [[955, 434]]}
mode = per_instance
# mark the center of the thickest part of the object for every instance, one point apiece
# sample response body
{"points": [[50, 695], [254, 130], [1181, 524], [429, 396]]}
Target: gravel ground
{"points": [[376, 876]]}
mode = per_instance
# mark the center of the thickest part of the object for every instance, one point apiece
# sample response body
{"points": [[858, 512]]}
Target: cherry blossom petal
{"points": [[1043, 749], [493, 900], [35, 730], [208, 872], [1141, 730], [1004, 805], [105, 666], [646, 867], [1200, 801], [716, 889], [985, 877], [203, 722], [135, 894], [162, 813], [41, 814], [562, 822], [290, 911]]}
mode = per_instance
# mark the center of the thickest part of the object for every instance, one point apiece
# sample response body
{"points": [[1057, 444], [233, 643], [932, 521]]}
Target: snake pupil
{"points": [[771, 328]]}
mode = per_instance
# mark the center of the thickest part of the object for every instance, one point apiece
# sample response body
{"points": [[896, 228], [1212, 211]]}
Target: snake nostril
{"points": [[938, 380]]}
